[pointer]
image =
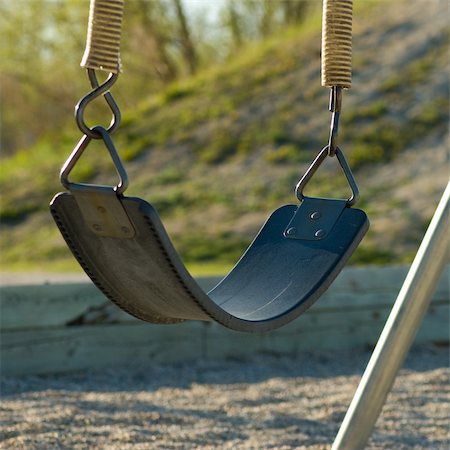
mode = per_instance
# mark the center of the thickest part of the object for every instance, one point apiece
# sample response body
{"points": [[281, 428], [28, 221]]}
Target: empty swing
{"points": [[123, 247]]}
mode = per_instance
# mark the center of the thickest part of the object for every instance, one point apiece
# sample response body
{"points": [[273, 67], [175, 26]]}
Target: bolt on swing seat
{"points": [[123, 247]]}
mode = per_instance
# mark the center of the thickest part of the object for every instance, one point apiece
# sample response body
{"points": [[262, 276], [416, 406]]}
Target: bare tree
{"points": [[153, 37], [294, 11], [233, 21], [266, 22], [187, 46]]}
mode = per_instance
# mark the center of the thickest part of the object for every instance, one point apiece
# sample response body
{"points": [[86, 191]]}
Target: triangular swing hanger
{"points": [[304, 180], [103, 134]]}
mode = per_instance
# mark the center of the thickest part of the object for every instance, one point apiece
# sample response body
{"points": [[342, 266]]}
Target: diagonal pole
{"points": [[398, 333]]}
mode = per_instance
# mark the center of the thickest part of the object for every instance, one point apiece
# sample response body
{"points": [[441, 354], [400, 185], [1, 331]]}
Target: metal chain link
{"points": [[96, 132], [97, 91]]}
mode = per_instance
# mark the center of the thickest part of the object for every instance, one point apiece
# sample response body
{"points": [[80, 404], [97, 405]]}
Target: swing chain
{"points": [[98, 90]]}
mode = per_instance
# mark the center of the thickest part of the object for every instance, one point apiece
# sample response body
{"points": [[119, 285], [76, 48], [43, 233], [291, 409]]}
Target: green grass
{"points": [[222, 145], [211, 269], [246, 117], [70, 265], [369, 112], [214, 94], [198, 248], [370, 254], [287, 153], [417, 71], [177, 91], [168, 176], [382, 139], [63, 265], [432, 114]]}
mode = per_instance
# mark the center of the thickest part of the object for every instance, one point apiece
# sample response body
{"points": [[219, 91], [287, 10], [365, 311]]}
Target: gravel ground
{"points": [[265, 402]]}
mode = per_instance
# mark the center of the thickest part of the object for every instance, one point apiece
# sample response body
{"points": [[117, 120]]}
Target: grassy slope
{"points": [[218, 152]]}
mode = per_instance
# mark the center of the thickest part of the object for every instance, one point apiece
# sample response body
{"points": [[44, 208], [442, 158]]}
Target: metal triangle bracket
{"points": [[100, 205], [315, 165], [69, 165]]}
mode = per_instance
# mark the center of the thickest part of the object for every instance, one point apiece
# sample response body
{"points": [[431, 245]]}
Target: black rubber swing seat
{"points": [[123, 247]]}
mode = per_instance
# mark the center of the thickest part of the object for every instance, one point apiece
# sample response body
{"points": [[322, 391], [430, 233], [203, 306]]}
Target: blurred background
{"points": [[222, 112]]}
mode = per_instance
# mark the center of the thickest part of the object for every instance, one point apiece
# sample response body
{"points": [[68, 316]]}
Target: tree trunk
{"points": [[234, 23], [294, 11], [266, 24], [162, 62], [188, 49]]}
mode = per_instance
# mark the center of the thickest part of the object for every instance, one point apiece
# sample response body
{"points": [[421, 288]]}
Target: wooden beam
{"points": [[41, 330]]}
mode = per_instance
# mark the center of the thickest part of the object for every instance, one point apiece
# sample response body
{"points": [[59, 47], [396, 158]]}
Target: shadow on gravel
{"points": [[320, 365]]}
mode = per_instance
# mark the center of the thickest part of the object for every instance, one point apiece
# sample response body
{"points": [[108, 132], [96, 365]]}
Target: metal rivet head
{"points": [[315, 215], [291, 231], [320, 233]]}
